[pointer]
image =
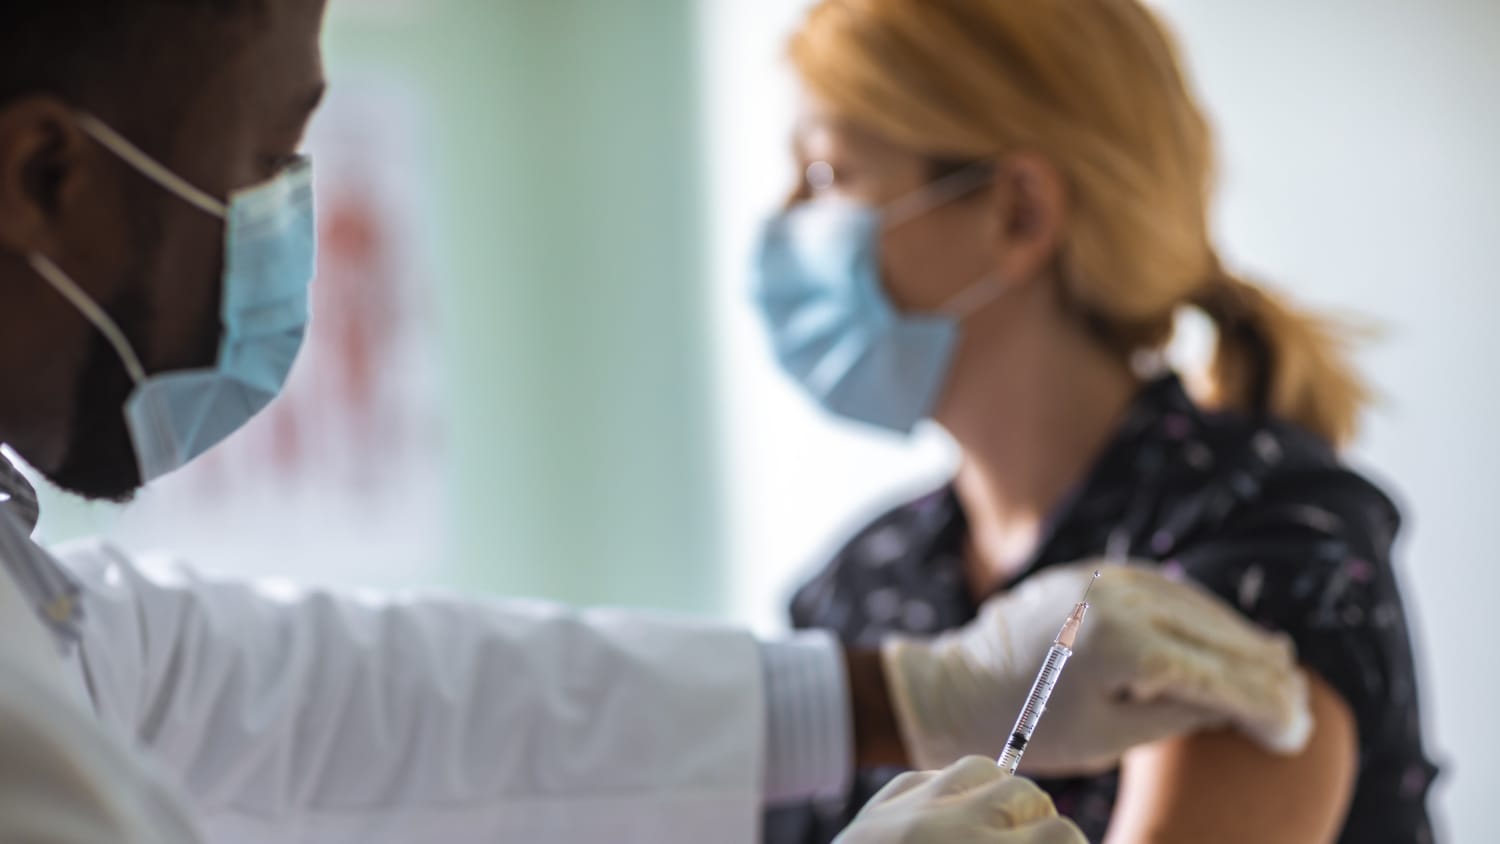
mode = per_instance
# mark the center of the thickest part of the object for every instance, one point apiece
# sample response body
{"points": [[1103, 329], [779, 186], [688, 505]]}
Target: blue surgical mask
{"points": [[269, 262], [832, 325]]}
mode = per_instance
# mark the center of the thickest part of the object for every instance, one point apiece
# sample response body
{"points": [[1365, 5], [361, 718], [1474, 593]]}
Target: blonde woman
{"points": [[1003, 207]]}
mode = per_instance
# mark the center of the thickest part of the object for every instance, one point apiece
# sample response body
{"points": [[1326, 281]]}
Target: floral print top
{"points": [[1260, 512]]}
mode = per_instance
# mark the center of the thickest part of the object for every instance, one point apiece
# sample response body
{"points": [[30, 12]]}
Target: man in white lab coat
{"points": [[155, 248]]}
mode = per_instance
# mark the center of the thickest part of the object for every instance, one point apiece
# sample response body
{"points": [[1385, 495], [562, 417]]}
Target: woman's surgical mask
{"points": [[834, 328], [269, 262]]}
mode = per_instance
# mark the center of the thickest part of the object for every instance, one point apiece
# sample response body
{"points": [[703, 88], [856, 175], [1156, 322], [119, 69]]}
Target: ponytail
{"points": [[1274, 358]]}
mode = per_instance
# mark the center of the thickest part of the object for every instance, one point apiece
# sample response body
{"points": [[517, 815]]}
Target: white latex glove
{"points": [[1155, 658], [973, 802]]}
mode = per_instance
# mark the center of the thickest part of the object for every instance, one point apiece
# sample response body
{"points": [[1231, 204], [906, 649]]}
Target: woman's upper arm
{"points": [[1221, 787]]}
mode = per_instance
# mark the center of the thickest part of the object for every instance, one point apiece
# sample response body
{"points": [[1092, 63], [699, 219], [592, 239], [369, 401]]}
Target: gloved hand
{"points": [[973, 802], [1155, 658]]}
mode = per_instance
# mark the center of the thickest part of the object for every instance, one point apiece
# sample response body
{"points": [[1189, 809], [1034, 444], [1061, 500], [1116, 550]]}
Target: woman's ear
{"points": [[1030, 210]]}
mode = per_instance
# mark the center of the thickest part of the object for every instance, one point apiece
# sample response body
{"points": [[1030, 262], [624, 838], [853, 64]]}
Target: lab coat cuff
{"points": [[810, 734]]}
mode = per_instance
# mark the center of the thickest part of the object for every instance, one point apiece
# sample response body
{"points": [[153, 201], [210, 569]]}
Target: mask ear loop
{"points": [[148, 166], [974, 298], [982, 293], [156, 172], [64, 285], [934, 194]]}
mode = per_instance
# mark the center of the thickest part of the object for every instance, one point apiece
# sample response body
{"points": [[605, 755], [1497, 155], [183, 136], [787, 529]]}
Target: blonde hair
{"points": [[1095, 86]]}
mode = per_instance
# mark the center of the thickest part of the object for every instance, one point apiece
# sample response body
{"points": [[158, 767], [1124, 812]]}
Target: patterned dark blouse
{"points": [[1260, 512]]}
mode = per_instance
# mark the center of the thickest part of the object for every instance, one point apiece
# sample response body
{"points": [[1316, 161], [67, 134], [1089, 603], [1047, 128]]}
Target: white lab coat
{"points": [[302, 716]]}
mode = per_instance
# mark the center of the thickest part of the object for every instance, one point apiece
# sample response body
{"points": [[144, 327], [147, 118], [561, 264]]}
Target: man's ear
{"points": [[46, 163]]}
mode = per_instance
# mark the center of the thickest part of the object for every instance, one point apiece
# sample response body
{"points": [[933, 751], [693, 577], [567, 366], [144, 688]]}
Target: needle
{"points": [[1086, 592]]}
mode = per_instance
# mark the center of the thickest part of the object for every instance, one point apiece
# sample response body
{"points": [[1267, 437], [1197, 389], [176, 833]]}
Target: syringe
{"points": [[1041, 690]]}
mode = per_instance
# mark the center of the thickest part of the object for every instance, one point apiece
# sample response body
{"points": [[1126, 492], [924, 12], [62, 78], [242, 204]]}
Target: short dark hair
{"points": [[88, 51]]}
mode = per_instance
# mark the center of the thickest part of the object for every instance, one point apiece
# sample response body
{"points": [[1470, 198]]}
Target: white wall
{"points": [[1361, 149]]}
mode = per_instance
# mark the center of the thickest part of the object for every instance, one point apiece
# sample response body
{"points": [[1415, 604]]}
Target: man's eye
{"points": [[273, 165]]}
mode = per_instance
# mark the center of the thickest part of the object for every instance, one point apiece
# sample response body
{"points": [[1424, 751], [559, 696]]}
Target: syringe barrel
{"points": [[1036, 704]]}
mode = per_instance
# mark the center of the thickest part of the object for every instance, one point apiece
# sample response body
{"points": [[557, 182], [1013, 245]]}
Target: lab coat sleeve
{"points": [[295, 715]]}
